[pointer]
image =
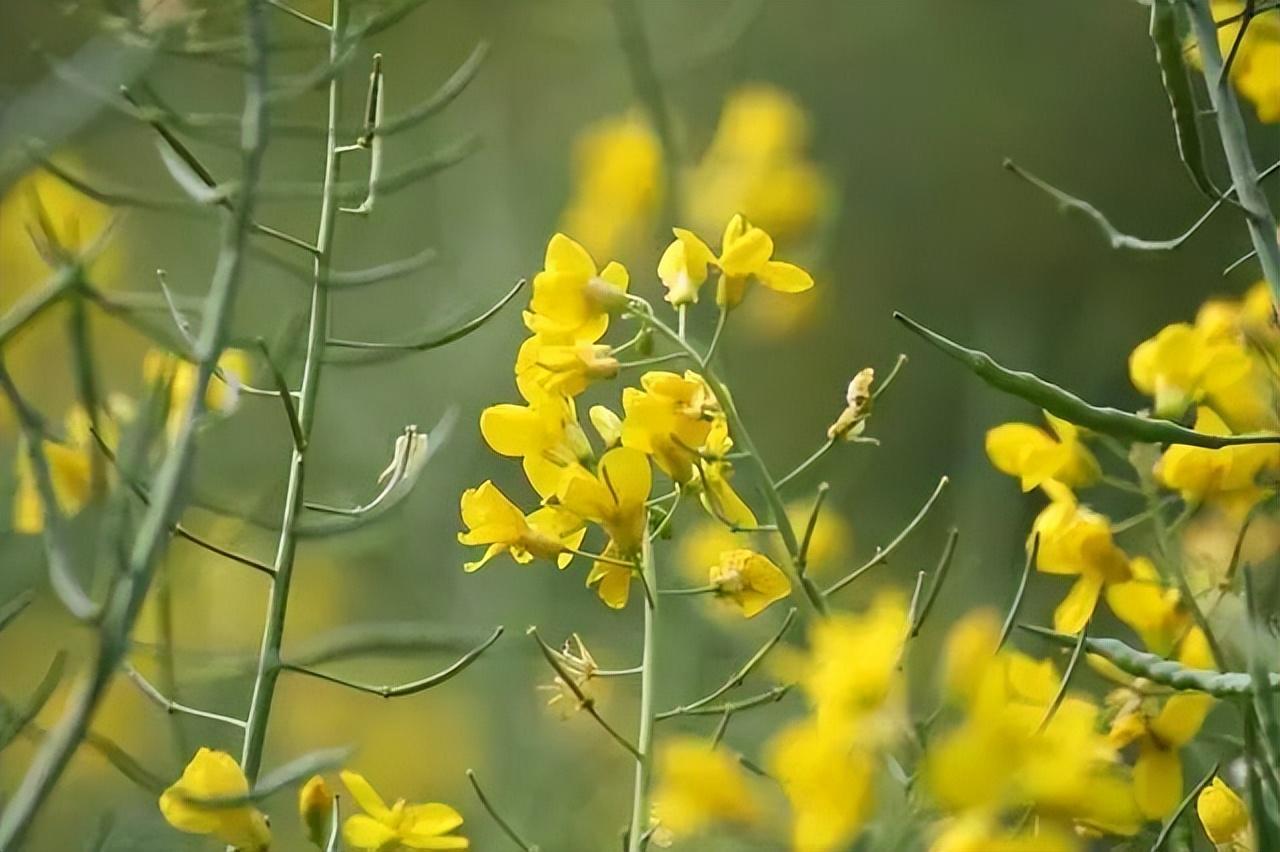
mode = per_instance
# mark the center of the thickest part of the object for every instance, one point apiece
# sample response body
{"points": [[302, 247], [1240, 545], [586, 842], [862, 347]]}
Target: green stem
{"points": [[1235, 144], [273, 633], [129, 592], [648, 680]]}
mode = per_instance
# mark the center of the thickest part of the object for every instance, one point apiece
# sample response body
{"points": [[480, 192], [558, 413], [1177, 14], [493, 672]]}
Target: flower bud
{"points": [[608, 425], [609, 297], [315, 807], [857, 406]]}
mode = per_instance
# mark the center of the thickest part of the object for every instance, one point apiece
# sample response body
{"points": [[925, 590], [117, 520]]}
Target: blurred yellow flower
{"points": [[750, 580], [1224, 817], [493, 520], [1153, 610], [428, 826], [1157, 774], [221, 396], [980, 832], [617, 183], [1227, 477], [1256, 68], [1075, 540], [757, 164], [832, 539], [968, 651], [315, 809], [544, 434], [70, 466], [615, 499], [669, 417], [570, 297], [212, 775], [1035, 456], [699, 786], [829, 780], [852, 666]]}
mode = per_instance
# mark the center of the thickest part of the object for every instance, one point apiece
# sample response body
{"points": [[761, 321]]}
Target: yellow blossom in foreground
{"points": [[1256, 67], [828, 777], [698, 786], [547, 366], [615, 499], [1157, 774], [1184, 365], [1227, 477], [571, 298], [750, 580], [494, 520], [979, 832], [1224, 817], [1036, 456], [714, 488], [852, 665], [683, 267], [315, 809], [1075, 540], [213, 775], [544, 434], [967, 652], [380, 827], [617, 183], [670, 419]]}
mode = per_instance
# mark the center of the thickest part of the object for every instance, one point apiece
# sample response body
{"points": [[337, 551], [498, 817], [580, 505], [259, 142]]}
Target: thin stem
{"points": [[510, 832], [268, 672], [708, 589], [737, 678], [802, 559], [1259, 218], [169, 705], [882, 554], [600, 557], [1022, 590], [129, 592], [1076, 654], [827, 447], [715, 337], [939, 577], [648, 682]]}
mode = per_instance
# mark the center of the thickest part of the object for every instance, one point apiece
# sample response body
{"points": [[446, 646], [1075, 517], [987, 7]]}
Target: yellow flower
{"points": [[545, 365], [1227, 477], [1184, 365], [699, 786], [757, 164], [1075, 540], [70, 469], [1153, 610], [712, 481], [852, 666], [828, 778], [617, 183], [315, 809], [968, 651], [608, 425], [615, 499], [980, 832], [494, 520], [832, 540], [380, 827], [544, 434], [222, 394], [750, 580], [745, 252], [1157, 773], [1224, 816], [213, 775], [570, 297], [1035, 456], [670, 419], [1256, 69]]}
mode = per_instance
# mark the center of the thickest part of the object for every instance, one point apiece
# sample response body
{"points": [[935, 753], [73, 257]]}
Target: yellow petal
{"points": [[364, 794], [628, 476], [747, 254], [1157, 781], [565, 255], [784, 277], [431, 818], [511, 430], [1181, 718], [1222, 812], [363, 832], [1077, 607]]}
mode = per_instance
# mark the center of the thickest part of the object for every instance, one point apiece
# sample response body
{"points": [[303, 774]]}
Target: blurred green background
{"points": [[912, 107]]}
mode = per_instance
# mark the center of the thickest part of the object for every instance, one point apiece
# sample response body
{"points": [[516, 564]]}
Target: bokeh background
{"points": [[910, 109]]}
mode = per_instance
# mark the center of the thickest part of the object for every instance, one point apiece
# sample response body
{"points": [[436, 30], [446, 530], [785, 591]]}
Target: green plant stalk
{"points": [[648, 680], [268, 672], [1259, 218], [129, 592], [738, 429]]}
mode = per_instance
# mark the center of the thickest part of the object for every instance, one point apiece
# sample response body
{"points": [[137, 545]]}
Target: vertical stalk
{"points": [[268, 671], [644, 741], [1235, 144], [127, 595]]}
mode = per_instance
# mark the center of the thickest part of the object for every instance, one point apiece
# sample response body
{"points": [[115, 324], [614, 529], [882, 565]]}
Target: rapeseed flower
{"points": [[380, 827], [1225, 817], [698, 786], [544, 434], [1227, 477], [215, 775], [670, 417], [571, 297], [1036, 456], [750, 580], [492, 519]]}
